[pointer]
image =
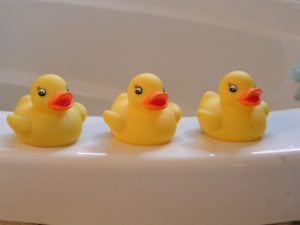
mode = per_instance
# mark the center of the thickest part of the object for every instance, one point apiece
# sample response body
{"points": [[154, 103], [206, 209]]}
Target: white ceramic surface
{"points": [[193, 180]]}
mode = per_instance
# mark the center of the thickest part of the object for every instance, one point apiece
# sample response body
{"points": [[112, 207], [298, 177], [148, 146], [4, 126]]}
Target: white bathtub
{"points": [[97, 46]]}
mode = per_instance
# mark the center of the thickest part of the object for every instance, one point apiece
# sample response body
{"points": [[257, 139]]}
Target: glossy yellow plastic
{"points": [[236, 112], [143, 116], [48, 117]]}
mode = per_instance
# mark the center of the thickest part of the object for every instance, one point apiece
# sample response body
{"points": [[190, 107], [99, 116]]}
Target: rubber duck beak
{"points": [[61, 101], [156, 101], [251, 97]]}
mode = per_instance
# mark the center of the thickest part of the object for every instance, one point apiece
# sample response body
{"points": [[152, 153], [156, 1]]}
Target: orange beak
{"points": [[61, 101], [156, 101], [251, 97]]}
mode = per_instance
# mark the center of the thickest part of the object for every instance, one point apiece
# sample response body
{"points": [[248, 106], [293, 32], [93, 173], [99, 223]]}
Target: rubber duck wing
{"points": [[23, 102], [120, 102], [81, 109], [265, 107], [176, 109], [19, 124], [208, 111], [209, 120], [209, 100], [114, 120]]}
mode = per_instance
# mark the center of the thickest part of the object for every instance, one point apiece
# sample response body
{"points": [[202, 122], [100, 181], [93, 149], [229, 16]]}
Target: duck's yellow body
{"points": [[50, 119], [236, 112], [143, 118]]}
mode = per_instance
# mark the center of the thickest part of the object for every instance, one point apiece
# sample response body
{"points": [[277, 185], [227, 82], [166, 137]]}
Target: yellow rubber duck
{"points": [[237, 112], [143, 116], [48, 117]]}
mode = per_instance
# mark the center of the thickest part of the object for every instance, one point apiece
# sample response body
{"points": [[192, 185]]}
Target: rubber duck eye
{"points": [[164, 90], [138, 90], [67, 87], [232, 88], [41, 92]]}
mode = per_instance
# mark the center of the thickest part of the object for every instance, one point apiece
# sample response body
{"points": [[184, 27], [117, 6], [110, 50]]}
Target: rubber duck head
{"points": [[238, 90], [146, 92], [50, 93]]}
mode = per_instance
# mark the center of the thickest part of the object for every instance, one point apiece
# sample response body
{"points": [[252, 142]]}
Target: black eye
{"points": [[67, 87], [164, 90], [138, 90], [232, 88], [41, 92]]}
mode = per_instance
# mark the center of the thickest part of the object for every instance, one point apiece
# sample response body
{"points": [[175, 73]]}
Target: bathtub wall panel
{"points": [[98, 50]]}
